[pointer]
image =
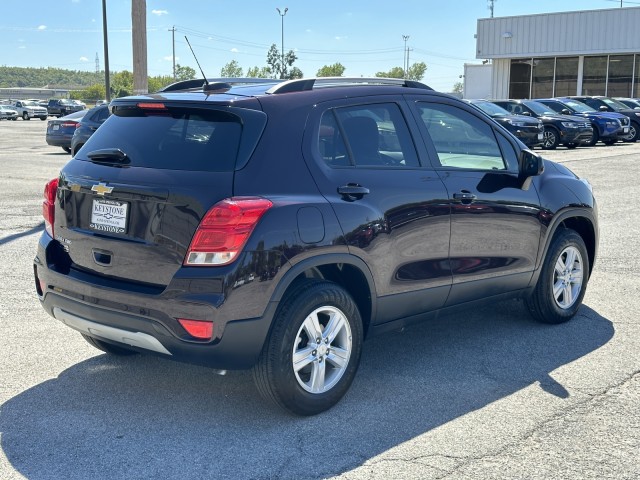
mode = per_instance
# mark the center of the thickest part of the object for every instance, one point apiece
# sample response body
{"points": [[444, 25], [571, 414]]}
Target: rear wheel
{"points": [[550, 138], [108, 347], [312, 353], [67, 149], [563, 279]]}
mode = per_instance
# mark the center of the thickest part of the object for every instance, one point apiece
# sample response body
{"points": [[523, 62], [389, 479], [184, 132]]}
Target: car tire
{"points": [[108, 347], [550, 138], [75, 150], [25, 116], [43, 118], [563, 279], [67, 149], [634, 132], [595, 137], [14, 118], [571, 146], [307, 375], [610, 141]]}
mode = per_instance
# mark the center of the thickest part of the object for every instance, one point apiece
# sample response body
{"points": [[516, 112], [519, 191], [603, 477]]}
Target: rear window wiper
{"points": [[111, 156]]}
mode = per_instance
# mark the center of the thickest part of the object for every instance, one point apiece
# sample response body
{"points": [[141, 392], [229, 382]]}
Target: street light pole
{"points": [[405, 55], [173, 41], [282, 14], [107, 85]]}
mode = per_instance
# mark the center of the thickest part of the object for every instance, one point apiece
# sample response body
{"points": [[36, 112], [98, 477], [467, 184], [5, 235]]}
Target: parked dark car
{"points": [[529, 131], [608, 127], [566, 130], [275, 226], [60, 130], [633, 103], [62, 106], [8, 113], [89, 124], [606, 104]]}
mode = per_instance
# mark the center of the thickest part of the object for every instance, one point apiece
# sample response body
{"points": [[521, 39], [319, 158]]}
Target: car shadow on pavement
{"points": [[146, 417], [10, 238]]}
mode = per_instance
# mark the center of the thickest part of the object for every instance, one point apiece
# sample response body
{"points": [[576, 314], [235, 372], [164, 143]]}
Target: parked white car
{"points": [[7, 112], [29, 109]]}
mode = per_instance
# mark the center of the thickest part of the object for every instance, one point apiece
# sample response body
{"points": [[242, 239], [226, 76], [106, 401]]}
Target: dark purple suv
{"points": [[274, 226]]}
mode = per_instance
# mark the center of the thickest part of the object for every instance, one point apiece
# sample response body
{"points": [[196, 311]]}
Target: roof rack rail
{"points": [[303, 84], [198, 83]]}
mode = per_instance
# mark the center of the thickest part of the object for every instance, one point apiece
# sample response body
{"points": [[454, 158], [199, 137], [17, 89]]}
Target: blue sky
{"points": [[364, 36]]}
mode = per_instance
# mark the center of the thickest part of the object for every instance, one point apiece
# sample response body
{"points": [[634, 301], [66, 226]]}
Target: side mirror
{"points": [[565, 111], [526, 114], [530, 165], [603, 108]]}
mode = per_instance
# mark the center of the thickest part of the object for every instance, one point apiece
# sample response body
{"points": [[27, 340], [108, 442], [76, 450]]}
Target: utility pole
{"points": [[139, 39], [282, 14], [491, 5], [173, 41], [405, 56], [107, 84]]}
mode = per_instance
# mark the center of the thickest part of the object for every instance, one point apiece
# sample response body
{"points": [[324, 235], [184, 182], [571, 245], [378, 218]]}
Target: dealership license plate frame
{"points": [[110, 216]]}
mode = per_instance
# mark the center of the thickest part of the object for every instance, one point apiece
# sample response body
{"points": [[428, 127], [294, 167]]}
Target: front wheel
{"points": [[563, 279], [25, 116], [313, 351], [550, 138]]}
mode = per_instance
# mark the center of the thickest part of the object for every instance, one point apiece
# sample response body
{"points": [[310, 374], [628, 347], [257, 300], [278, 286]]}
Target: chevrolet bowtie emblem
{"points": [[101, 189]]}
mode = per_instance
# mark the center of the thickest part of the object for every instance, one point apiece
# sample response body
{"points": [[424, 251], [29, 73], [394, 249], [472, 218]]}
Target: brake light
{"points": [[151, 106], [70, 124], [224, 230], [201, 329], [49, 205]]}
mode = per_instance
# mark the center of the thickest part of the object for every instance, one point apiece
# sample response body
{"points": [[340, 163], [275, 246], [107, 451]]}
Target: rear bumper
{"points": [[146, 319], [59, 141]]}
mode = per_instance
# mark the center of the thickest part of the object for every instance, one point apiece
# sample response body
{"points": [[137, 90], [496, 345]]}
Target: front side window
{"points": [[366, 136], [461, 140]]}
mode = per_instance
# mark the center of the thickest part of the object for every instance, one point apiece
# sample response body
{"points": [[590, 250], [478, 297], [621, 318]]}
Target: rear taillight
{"points": [[200, 329], [49, 205], [224, 230], [70, 124]]}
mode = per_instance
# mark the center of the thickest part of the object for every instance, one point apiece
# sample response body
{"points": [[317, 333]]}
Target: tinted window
{"points": [[366, 135], [176, 140], [461, 139]]}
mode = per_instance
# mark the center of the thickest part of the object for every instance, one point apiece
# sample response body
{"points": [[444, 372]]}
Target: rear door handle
{"points": [[464, 196], [352, 191]]}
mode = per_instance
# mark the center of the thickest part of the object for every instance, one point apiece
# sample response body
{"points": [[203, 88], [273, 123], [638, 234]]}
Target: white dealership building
{"points": [[594, 52]]}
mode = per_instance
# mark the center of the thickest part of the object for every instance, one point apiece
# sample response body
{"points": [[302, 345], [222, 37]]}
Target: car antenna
{"points": [[206, 82], [208, 87]]}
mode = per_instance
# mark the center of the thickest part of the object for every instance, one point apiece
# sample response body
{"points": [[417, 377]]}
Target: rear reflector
{"points": [[49, 205], [224, 230], [200, 329]]}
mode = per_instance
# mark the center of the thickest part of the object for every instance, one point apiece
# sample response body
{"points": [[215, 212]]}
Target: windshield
{"points": [[615, 104], [491, 109], [578, 106], [539, 108], [30, 104]]}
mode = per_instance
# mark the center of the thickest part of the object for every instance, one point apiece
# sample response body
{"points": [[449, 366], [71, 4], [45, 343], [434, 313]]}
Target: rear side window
{"points": [[176, 139], [366, 136]]}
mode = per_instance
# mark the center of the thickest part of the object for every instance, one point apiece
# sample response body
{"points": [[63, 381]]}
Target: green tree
{"points": [[417, 71], [257, 72], [231, 70], [121, 84], [184, 73], [395, 72], [458, 87], [280, 65], [94, 92], [159, 82], [335, 70]]}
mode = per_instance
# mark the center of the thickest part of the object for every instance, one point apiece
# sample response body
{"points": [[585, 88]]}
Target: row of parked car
{"points": [[72, 131], [569, 121]]}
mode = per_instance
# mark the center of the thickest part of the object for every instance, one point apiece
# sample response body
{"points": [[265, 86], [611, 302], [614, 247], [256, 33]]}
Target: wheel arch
{"points": [[348, 271], [580, 220]]}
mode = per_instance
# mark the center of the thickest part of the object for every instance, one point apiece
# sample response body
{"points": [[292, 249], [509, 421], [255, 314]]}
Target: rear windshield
{"points": [[178, 139]]}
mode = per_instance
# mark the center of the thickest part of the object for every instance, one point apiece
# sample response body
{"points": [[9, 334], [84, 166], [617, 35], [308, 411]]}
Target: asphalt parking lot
{"points": [[488, 394]]}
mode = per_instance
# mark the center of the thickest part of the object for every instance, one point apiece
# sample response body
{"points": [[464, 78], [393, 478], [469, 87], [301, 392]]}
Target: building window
{"points": [[620, 76], [520, 78], [594, 79], [566, 77], [543, 77]]}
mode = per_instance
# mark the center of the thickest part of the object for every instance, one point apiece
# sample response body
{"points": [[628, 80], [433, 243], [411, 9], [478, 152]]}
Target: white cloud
{"points": [[159, 12], [340, 37], [169, 58], [42, 27], [22, 47], [235, 50], [83, 59]]}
